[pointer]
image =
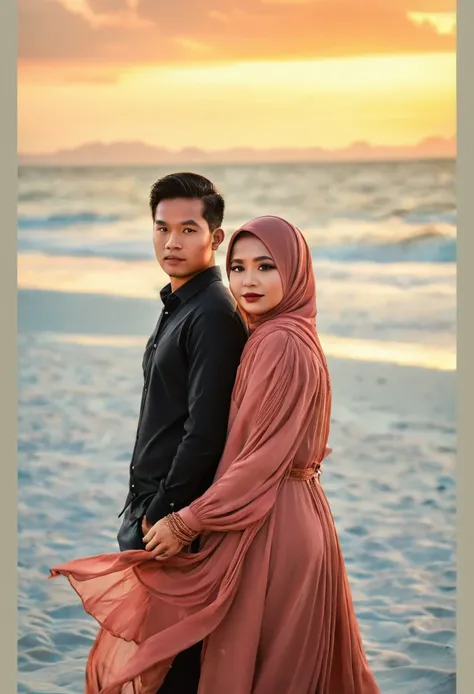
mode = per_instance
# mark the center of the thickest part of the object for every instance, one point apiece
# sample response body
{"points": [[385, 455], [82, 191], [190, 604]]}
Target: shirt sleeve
{"points": [[214, 345]]}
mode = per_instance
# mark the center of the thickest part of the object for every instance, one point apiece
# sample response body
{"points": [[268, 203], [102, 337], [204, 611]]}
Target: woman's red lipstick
{"points": [[251, 297]]}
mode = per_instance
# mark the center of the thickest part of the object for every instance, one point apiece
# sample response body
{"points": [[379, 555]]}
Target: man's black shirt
{"points": [[189, 368]]}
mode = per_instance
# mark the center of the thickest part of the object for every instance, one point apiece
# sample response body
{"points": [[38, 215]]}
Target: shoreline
{"points": [[106, 319]]}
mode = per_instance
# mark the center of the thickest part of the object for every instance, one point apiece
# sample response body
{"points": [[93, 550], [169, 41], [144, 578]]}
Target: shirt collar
{"points": [[192, 287]]}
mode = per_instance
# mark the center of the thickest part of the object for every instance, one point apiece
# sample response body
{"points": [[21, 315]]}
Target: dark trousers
{"points": [[183, 677]]}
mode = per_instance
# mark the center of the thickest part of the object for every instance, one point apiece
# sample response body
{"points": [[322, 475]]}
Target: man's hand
{"points": [[160, 541], [146, 527]]}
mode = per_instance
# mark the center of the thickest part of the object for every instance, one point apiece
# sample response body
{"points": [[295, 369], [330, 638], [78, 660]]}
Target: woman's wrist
{"points": [[189, 517], [183, 533]]}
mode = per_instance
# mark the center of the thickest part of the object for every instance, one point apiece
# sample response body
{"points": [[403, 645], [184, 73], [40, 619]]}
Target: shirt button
{"points": [[133, 486], [146, 389], [154, 346], [133, 467], [166, 313]]}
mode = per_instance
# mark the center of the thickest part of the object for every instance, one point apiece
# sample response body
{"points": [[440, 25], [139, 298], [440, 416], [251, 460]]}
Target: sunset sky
{"points": [[228, 73]]}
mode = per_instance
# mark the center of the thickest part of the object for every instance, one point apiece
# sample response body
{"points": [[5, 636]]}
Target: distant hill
{"points": [[139, 153]]}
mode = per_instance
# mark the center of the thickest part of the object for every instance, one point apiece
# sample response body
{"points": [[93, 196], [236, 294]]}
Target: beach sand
{"points": [[390, 481]]}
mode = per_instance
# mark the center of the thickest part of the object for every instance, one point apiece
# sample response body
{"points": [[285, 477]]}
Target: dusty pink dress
{"points": [[268, 591]]}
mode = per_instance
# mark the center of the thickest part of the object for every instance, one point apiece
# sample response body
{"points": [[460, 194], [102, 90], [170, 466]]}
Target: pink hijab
{"points": [[292, 256], [279, 420], [296, 313]]}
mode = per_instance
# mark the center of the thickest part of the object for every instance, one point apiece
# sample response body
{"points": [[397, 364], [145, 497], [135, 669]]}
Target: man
{"points": [[189, 366]]}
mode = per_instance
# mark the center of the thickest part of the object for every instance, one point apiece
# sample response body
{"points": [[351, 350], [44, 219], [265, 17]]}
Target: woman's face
{"points": [[254, 279]]}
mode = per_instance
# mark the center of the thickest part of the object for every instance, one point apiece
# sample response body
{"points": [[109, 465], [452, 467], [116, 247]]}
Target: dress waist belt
{"points": [[305, 473]]}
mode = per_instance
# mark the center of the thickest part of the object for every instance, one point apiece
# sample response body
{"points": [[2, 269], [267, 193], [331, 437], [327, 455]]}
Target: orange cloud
{"points": [[443, 22], [128, 32]]}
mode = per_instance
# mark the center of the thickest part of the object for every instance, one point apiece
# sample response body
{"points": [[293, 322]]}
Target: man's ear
{"points": [[218, 236]]}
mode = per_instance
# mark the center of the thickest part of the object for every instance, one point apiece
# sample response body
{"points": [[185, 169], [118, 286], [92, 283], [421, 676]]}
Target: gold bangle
{"points": [[176, 531], [180, 530], [184, 529]]}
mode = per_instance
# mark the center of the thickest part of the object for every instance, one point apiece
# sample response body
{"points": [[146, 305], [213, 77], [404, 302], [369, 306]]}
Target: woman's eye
{"points": [[266, 267], [236, 268]]}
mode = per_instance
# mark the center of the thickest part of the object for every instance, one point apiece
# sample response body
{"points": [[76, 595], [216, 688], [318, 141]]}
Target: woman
{"points": [[267, 592]]}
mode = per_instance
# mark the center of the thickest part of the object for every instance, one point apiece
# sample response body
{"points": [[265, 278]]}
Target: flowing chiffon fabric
{"points": [[268, 591]]}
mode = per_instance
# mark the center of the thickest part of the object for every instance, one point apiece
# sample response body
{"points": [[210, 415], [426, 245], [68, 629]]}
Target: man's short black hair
{"points": [[190, 185]]}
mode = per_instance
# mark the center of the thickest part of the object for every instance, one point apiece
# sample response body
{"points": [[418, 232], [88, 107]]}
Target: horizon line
{"points": [[109, 154], [240, 148]]}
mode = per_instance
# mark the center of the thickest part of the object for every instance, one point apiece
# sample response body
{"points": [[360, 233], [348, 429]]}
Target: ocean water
{"points": [[383, 239]]}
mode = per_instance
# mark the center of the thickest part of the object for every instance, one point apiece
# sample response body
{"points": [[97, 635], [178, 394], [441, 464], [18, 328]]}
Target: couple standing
{"points": [[231, 578]]}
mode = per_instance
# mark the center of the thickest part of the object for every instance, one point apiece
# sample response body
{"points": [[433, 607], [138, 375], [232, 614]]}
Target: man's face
{"points": [[183, 242]]}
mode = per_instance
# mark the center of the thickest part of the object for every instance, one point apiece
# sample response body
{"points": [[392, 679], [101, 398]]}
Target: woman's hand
{"points": [[160, 541], [328, 451]]}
